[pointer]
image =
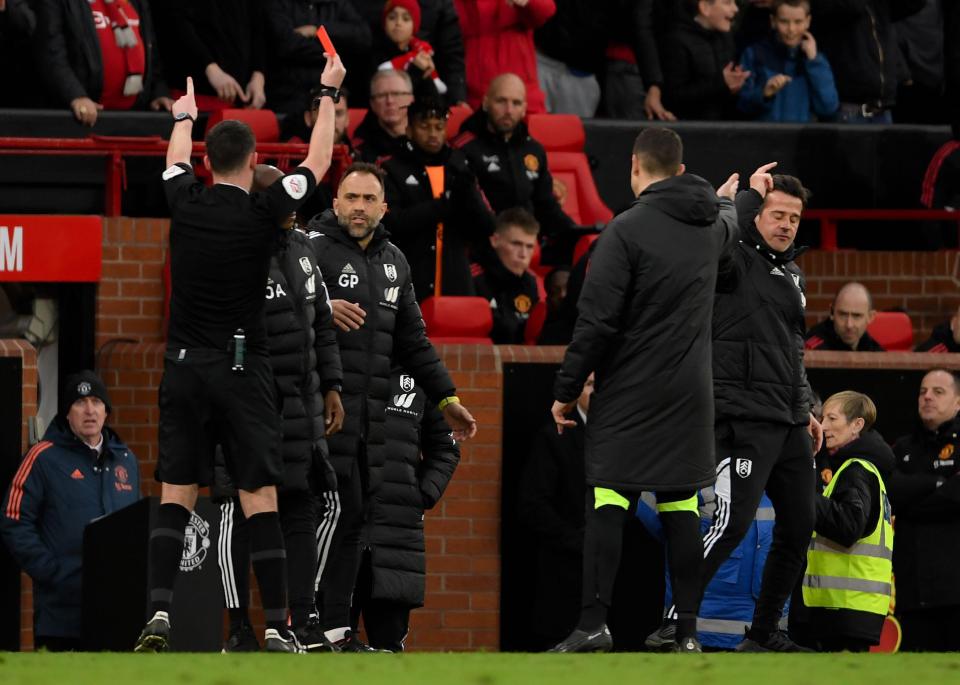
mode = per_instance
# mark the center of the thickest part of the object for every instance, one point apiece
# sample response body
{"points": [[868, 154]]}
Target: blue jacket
{"points": [[811, 90], [728, 602], [59, 488]]}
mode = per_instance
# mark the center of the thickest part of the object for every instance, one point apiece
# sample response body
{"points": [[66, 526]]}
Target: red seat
{"points": [[458, 114], [262, 121], [535, 323], [893, 330], [583, 203], [452, 319], [538, 269], [355, 115], [582, 246], [557, 132]]}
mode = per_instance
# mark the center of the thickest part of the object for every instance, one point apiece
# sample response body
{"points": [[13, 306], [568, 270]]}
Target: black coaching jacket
{"points": [[378, 279]]}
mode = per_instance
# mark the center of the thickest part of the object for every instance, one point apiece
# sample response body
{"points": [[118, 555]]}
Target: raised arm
{"points": [[321, 139], [181, 138]]}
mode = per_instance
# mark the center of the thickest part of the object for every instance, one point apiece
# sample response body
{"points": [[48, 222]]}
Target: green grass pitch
{"points": [[480, 669]]}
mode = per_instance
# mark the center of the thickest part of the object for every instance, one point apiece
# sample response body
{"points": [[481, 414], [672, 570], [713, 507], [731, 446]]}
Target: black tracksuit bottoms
{"points": [[753, 457]]}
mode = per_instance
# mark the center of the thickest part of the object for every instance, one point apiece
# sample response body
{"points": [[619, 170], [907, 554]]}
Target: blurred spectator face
{"points": [[359, 204], [791, 23], [584, 400], [837, 429], [341, 118], [852, 313], [939, 401], [514, 247], [505, 103], [717, 15], [779, 219], [428, 133], [398, 25], [86, 417], [389, 98], [556, 287]]}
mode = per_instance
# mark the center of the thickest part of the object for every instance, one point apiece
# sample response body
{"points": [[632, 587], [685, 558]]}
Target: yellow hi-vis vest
{"points": [[856, 577]]}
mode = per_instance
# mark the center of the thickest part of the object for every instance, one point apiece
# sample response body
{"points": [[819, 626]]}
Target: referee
{"points": [[217, 383], [644, 329]]}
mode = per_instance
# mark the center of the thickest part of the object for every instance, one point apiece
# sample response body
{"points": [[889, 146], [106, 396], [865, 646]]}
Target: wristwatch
{"points": [[328, 91], [184, 115]]}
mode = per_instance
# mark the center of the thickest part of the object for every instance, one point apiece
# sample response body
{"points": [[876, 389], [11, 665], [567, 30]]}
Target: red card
{"points": [[326, 42]]}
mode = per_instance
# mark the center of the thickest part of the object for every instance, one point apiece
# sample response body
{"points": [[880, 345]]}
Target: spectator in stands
{"points": [[18, 22], [859, 40], [221, 44], [503, 277], [941, 182], [510, 165], [381, 133], [571, 47], [558, 325], [701, 78], [552, 491], [555, 285], [920, 100], [402, 49], [440, 27], [498, 38], [417, 208], [789, 79], [296, 129], [945, 337], [99, 55], [846, 329], [925, 493], [295, 59], [79, 472]]}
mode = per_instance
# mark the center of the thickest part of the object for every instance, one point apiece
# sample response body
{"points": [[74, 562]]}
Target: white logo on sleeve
{"points": [[412, 180], [391, 271], [173, 172], [744, 467], [296, 185]]}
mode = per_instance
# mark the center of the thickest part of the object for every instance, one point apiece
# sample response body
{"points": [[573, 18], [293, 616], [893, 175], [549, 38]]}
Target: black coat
{"points": [[421, 456], [378, 279], [512, 172], [824, 336], [925, 492], [18, 87], [693, 61], [849, 514], [644, 328], [511, 297], [941, 340], [68, 53], [371, 141], [295, 62], [758, 327], [414, 215]]}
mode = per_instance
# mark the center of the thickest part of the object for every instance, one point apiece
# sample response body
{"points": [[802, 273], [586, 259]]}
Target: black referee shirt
{"points": [[221, 239]]}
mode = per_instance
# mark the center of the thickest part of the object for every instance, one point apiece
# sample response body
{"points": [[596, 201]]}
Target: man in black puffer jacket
{"points": [[308, 377], [376, 310], [421, 456]]}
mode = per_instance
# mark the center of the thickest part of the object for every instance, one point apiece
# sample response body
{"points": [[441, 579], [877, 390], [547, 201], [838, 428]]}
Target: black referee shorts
{"points": [[203, 402]]}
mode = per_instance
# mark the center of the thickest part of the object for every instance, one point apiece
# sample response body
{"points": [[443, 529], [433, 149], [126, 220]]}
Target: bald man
{"points": [[510, 165], [846, 329]]}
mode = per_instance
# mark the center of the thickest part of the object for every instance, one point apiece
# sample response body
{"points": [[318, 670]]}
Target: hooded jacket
{"points": [[511, 297], [378, 279], [60, 487], [824, 336], [644, 328], [693, 61], [849, 514], [371, 141], [758, 326]]}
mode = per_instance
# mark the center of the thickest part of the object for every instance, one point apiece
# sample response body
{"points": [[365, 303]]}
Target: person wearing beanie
{"points": [[79, 472], [401, 22]]}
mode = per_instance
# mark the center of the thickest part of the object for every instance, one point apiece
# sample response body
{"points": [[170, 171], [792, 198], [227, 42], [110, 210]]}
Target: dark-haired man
{"points": [[762, 402], [379, 321], [217, 381], [644, 322]]}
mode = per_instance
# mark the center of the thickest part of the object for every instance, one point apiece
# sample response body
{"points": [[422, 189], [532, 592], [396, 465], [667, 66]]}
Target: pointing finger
{"points": [[765, 168], [190, 86]]}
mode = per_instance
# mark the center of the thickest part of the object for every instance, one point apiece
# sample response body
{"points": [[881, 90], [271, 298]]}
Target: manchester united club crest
{"points": [[523, 304], [946, 453], [531, 163], [391, 271], [84, 389], [196, 542], [121, 479]]}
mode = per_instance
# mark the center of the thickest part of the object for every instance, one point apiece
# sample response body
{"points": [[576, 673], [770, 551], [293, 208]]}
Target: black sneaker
{"points": [[663, 638], [351, 643], [312, 639], [598, 640], [777, 641], [241, 640], [281, 641], [688, 645], [155, 635]]}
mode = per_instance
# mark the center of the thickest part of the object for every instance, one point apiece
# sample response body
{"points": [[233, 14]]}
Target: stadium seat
{"points": [[458, 113], [557, 132], [451, 319], [583, 245], [535, 323], [893, 330], [262, 121], [583, 202]]}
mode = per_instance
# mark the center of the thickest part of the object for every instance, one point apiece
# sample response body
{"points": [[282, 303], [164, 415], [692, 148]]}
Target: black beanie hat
{"points": [[83, 384]]}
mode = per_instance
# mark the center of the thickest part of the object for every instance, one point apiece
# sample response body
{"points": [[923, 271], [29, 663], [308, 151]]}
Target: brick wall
{"points": [[28, 357]]}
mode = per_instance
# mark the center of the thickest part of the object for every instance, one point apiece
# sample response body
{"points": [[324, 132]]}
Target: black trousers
{"points": [[338, 575], [387, 623], [930, 630], [57, 644], [753, 457]]}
